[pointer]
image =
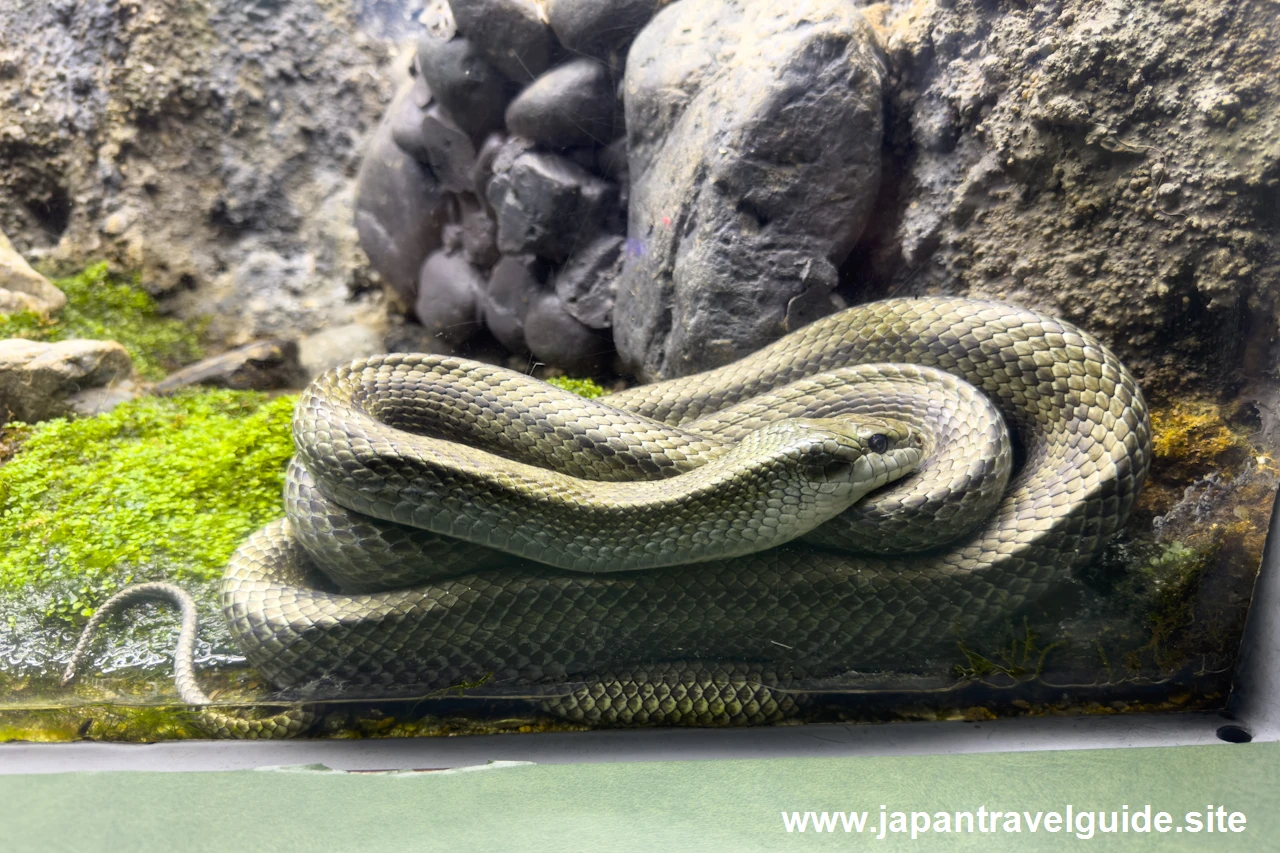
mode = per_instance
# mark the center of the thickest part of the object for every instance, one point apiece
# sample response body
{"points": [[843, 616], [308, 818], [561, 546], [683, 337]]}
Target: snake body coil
{"points": [[708, 641]]}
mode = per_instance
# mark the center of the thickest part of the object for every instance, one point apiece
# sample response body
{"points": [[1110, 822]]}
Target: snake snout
{"points": [[864, 454]]}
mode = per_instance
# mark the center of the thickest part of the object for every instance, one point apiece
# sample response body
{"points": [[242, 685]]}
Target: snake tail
{"points": [[215, 723]]}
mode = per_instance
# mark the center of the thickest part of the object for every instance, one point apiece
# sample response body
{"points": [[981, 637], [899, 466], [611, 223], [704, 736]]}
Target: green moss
{"points": [[157, 487], [582, 387], [102, 306]]}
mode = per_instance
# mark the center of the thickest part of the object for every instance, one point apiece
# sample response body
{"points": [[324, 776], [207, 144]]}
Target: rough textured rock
{"points": [[1109, 162], [546, 204], [464, 82], [754, 133], [555, 337], [599, 28], [573, 104], [188, 140], [38, 379], [22, 288], [448, 292], [399, 208], [510, 33], [259, 366], [588, 281]]}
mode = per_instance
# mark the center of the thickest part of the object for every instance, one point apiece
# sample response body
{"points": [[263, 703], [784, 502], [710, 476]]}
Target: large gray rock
{"points": [[39, 380], [399, 206], [754, 136], [22, 288]]}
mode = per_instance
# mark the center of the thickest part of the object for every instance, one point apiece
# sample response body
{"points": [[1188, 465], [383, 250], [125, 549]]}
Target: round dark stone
{"points": [[599, 28], [510, 33], [573, 104], [514, 284], [464, 82], [448, 294], [559, 340], [399, 211]]}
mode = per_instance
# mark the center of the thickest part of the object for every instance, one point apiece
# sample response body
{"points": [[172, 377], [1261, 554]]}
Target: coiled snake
{"points": [[677, 598]]}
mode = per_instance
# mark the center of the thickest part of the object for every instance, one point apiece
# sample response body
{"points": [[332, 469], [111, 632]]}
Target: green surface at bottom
{"points": [[666, 806]]}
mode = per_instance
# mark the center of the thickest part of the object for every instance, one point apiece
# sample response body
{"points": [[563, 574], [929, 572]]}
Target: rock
{"points": [[587, 282], [573, 104], [612, 160], [450, 151], [1036, 169], [465, 84], [405, 115], [399, 210], [338, 345], [514, 283], [259, 366], [479, 231], [38, 380], [599, 28], [557, 339], [22, 288], [493, 145], [99, 401], [448, 292], [428, 133], [510, 33], [214, 134], [754, 139], [546, 204]]}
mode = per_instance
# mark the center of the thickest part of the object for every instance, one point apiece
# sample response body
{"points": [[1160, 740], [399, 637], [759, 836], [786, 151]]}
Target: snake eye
{"points": [[878, 443]]}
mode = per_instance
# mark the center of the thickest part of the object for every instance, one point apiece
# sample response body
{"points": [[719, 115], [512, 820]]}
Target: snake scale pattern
{"points": [[413, 599]]}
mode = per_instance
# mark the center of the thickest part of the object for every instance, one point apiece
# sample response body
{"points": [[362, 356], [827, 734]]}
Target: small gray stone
{"points": [[38, 380], [514, 284], [448, 290], [510, 33], [599, 28], [259, 366], [557, 339], [587, 282], [573, 104], [464, 83], [547, 205], [22, 288], [399, 210]]}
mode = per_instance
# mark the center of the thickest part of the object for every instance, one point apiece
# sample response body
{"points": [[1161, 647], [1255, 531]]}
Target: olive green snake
{"points": [[690, 551]]}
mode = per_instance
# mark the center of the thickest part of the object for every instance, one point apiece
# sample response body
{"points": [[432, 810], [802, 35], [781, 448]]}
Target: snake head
{"points": [[856, 455]]}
